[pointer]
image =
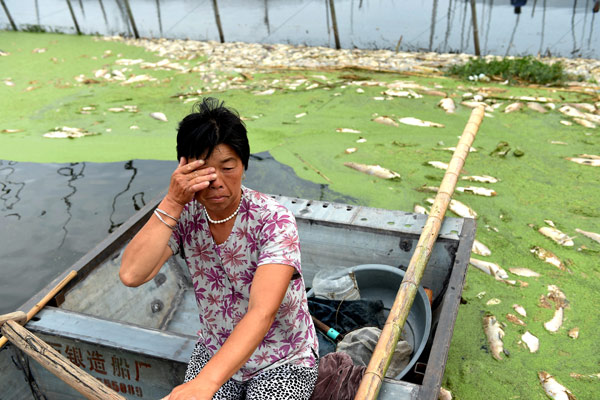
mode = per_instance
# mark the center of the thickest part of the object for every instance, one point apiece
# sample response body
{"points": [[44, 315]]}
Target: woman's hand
{"points": [[191, 390], [188, 179]]}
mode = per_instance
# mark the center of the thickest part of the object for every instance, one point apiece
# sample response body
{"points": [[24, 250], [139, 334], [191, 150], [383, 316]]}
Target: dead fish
{"points": [[566, 123], [591, 235], [558, 142], [360, 90], [264, 92], [515, 320], [494, 334], [438, 164], [548, 257], [417, 122], [585, 107], [159, 116], [481, 191], [300, 115], [347, 130], [532, 342], [386, 121], [556, 235], [556, 322], [350, 150], [435, 93], [572, 112], [553, 389], [458, 208], [482, 179], [361, 140], [585, 123], [116, 109], [585, 161], [592, 156], [557, 296], [375, 170], [480, 249], [429, 189], [417, 209], [444, 394], [574, 333], [526, 272], [491, 269], [66, 132], [520, 310], [447, 104], [582, 376], [475, 104], [411, 94], [544, 303], [513, 107], [12, 130], [493, 302], [550, 222], [537, 107]]}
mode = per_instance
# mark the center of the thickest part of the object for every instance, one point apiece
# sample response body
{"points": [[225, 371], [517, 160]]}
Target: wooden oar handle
{"points": [[326, 329]]}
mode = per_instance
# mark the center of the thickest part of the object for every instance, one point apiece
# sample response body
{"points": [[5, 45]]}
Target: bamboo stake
{"points": [[475, 29], [159, 18], [34, 310], [12, 23], [218, 20], [334, 24], [56, 363], [382, 355], [103, 12], [73, 16], [130, 14]]}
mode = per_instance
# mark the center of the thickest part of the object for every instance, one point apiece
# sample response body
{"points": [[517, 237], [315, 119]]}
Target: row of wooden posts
{"points": [[331, 7]]}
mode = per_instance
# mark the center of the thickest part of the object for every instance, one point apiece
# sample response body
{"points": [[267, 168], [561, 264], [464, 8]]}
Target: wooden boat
{"points": [[138, 340]]}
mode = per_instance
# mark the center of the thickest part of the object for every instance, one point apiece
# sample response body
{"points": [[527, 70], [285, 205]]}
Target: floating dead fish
{"points": [[520, 310], [116, 109], [428, 189], [544, 303], [475, 104], [375, 170], [134, 127], [550, 222], [88, 108], [566, 123], [585, 107], [585, 161], [300, 115], [313, 86], [417, 122], [532, 342], [360, 90], [482, 179], [553, 389], [418, 209], [513, 107], [491, 269], [557, 296], [350, 150], [574, 333], [556, 322], [556, 235], [592, 156], [585, 123], [548, 256], [584, 376], [531, 98], [264, 92], [494, 334], [493, 302], [526, 272], [438, 164], [12, 130], [361, 140], [444, 394], [39, 50], [435, 93], [480, 191], [571, 112], [515, 320], [137, 79], [458, 208], [159, 116], [411, 94], [347, 130], [558, 142], [386, 121], [480, 249], [591, 235], [537, 107], [66, 132]]}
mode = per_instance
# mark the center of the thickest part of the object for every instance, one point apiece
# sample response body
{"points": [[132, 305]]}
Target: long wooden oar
{"points": [[52, 360], [34, 310], [382, 355]]}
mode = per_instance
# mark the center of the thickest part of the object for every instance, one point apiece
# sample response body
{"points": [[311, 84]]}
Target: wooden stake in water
{"points": [[130, 14], [73, 16], [334, 24], [12, 23], [218, 20], [382, 355], [475, 29]]}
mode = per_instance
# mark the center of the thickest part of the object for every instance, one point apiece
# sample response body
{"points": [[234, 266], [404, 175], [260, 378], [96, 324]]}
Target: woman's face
{"points": [[222, 196]]}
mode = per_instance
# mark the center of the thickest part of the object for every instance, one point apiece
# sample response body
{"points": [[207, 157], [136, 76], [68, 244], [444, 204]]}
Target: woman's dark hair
{"points": [[211, 124]]}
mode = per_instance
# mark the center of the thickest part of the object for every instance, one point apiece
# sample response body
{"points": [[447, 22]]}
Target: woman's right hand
{"points": [[188, 179]]}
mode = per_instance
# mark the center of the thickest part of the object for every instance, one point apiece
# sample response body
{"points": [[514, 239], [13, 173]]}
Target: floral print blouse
{"points": [[264, 232]]}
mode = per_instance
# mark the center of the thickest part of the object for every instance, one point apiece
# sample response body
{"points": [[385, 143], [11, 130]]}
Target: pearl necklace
{"points": [[220, 221]]}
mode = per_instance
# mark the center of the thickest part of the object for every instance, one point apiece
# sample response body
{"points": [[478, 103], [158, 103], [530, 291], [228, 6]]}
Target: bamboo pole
{"points": [[73, 16], [159, 17], [34, 310], [382, 355], [56, 363], [475, 29], [12, 23], [130, 15], [334, 24], [103, 12], [218, 21]]}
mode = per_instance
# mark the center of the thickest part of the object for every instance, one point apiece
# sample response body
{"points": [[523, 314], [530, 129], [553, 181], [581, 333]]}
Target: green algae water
{"points": [[298, 128]]}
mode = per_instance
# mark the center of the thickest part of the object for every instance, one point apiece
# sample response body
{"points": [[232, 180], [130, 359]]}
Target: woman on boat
{"points": [[257, 339]]}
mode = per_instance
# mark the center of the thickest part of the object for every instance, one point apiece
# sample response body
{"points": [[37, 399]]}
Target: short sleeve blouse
{"points": [[264, 232]]}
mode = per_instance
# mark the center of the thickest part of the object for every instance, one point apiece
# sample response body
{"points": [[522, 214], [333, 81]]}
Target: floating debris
{"points": [[265, 92], [347, 130], [475, 104], [116, 109], [585, 107], [585, 123], [480, 191], [585, 161], [520, 310], [418, 209], [532, 342], [493, 302], [584, 376], [480, 249], [410, 94], [501, 150], [491, 269], [556, 322], [361, 140], [438, 164], [444, 394], [574, 333], [386, 121], [548, 256], [137, 79], [301, 115], [417, 122], [591, 235], [447, 105], [513, 107], [350, 150], [66, 132], [481, 179], [159, 116], [572, 112], [375, 170], [515, 320], [553, 389], [557, 296], [526, 272], [12, 130], [566, 123], [558, 142], [494, 334], [537, 107], [556, 235], [39, 50]]}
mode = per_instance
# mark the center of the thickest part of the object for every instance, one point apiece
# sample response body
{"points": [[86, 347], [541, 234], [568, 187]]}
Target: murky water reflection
{"points": [[52, 214]]}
